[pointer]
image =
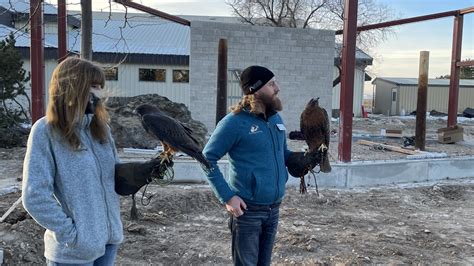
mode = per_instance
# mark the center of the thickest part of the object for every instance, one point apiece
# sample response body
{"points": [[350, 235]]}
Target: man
{"points": [[253, 135]]}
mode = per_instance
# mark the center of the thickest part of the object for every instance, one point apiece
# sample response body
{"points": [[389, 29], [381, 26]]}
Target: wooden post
{"points": [[421, 104], [221, 97], [454, 75], [86, 29]]}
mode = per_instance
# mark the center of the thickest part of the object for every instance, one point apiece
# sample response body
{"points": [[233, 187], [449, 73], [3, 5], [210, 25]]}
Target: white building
{"points": [[395, 95]]}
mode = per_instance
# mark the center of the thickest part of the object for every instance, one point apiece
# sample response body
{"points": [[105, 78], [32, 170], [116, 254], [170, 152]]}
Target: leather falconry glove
{"points": [[130, 177], [300, 163]]}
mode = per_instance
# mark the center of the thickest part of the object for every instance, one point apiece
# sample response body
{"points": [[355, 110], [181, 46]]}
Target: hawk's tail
{"points": [[324, 166], [204, 162]]}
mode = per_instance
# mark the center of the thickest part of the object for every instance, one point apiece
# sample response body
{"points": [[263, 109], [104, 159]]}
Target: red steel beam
{"points": [[62, 24], [153, 11], [454, 76], [37, 60], [347, 80], [413, 19]]}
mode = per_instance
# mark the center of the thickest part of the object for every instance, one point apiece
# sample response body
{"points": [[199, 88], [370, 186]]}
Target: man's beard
{"points": [[272, 102]]}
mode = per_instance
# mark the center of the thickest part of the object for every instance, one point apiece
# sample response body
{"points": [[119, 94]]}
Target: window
{"points": [[146, 74], [181, 75], [111, 73], [394, 96]]}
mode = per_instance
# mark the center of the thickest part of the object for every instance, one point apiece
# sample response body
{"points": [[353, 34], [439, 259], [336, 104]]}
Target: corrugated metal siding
{"points": [[437, 98], [49, 66], [359, 76], [383, 97], [128, 84]]}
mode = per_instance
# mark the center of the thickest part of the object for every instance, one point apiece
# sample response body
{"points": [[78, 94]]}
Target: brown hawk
{"points": [[315, 126], [173, 135]]}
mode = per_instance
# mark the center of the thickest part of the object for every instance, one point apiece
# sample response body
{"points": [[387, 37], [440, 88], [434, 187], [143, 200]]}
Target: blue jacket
{"points": [[257, 153], [71, 193]]}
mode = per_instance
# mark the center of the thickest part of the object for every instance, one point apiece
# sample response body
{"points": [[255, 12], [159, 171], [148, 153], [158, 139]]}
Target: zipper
{"points": [[89, 137], [276, 163]]}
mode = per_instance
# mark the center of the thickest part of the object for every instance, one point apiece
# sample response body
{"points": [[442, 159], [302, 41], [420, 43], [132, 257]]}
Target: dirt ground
{"points": [[183, 224]]}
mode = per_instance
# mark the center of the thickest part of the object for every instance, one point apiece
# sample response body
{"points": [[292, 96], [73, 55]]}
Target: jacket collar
{"points": [[85, 121], [269, 113]]}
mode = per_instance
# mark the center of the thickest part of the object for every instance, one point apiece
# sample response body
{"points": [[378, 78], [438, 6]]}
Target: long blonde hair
{"points": [[248, 101], [69, 92]]}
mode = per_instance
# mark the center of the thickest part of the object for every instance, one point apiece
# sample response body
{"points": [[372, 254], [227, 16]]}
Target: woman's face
{"points": [[94, 99]]}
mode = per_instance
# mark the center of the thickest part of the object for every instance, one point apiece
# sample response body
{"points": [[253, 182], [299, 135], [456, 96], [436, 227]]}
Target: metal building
{"points": [[395, 96]]}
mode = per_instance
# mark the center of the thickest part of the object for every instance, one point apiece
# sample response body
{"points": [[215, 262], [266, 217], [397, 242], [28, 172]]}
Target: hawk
{"points": [[315, 126], [173, 135]]}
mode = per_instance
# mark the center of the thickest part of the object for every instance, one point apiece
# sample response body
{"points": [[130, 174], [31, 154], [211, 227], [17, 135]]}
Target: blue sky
{"points": [[396, 57]]}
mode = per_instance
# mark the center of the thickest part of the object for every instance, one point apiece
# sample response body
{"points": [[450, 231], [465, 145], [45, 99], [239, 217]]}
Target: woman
{"points": [[68, 172]]}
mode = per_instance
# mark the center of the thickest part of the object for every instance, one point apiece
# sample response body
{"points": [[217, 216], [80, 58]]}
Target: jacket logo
{"points": [[254, 129]]}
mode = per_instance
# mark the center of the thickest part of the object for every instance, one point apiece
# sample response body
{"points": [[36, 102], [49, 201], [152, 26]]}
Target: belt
{"points": [[262, 206]]}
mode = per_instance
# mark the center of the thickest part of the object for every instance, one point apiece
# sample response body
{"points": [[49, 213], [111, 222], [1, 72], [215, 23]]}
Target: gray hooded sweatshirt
{"points": [[71, 193]]}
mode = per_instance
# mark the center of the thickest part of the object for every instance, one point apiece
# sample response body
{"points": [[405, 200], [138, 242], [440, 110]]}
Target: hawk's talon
{"points": [[323, 148]]}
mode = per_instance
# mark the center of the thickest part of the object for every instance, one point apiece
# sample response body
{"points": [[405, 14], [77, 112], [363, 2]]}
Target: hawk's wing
{"points": [[314, 125], [175, 134]]}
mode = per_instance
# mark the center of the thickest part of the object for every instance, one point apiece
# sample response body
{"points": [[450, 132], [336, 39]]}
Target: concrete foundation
{"points": [[343, 175], [358, 174]]}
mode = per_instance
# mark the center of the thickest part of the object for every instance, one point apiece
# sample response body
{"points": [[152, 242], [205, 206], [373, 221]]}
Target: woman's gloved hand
{"points": [[130, 177]]}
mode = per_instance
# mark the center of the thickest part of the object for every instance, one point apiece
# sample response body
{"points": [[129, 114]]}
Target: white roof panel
{"points": [[23, 6], [22, 38], [432, 82]]}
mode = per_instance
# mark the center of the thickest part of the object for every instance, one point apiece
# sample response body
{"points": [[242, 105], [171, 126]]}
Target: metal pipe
{"points": [[413, 19], [421, 103], [347, 80], [153, 11], [221, 97], [37, 60], [62, 24], [454, 75]]}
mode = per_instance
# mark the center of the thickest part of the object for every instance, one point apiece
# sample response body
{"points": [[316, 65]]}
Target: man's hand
{"points": [[236, 206]]}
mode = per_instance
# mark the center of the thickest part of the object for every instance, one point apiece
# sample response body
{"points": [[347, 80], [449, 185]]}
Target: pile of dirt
{"points": [[13, 137], [126, 126]]}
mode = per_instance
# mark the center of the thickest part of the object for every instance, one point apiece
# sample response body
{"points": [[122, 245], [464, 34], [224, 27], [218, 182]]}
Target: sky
{"points": [[398, 56]]}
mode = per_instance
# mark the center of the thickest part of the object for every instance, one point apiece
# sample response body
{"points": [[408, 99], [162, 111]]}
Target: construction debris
{"points": [[10, 210], [450, 134], [387, 147], [391, 133]]}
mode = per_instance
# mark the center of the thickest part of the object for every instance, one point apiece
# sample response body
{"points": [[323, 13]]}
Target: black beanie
{"points": [[253, 78]]}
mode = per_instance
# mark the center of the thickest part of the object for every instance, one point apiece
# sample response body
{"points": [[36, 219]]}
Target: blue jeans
{"points": [[108, 259], [253, 234]]}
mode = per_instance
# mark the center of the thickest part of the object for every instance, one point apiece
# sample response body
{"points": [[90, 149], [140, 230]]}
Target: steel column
{"points": [[221, 97], [454, 75], [62, 24], [347, 80], [37, 60]]}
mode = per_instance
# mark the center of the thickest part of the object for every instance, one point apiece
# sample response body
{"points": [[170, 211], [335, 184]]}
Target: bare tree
{"points": [[321, 14]]}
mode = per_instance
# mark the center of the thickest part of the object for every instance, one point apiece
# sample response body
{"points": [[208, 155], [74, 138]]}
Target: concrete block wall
{"points": [[302, 60]]}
